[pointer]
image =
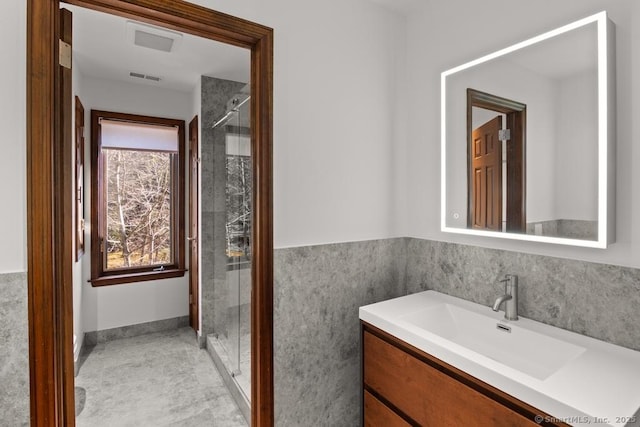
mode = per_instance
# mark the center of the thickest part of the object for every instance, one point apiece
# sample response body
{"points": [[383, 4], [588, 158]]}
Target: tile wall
{"points": [[317, 292], [14, 350], [598, 300], [215, 94]]}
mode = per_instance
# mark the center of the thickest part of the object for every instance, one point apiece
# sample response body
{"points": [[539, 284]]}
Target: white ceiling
{"points": [[103, 48], [404, 7]]}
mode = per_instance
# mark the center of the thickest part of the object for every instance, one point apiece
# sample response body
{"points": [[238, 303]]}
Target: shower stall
{"points": [[227, 298]]}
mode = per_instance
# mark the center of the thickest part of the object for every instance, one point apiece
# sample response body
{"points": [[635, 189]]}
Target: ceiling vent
{"points": [[144, 76], [152, 41], [153, 37]]}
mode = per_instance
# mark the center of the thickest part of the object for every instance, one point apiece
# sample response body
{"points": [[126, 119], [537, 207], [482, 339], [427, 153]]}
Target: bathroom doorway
{"points": [[50, 296], [496, 151]]}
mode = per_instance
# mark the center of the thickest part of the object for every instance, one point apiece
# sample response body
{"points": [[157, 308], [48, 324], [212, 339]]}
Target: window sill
{"points": [[136, 277]]}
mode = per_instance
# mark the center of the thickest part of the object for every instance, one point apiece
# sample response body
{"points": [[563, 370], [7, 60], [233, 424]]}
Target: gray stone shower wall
{"points": [[317, 292], [598, 300], [215, 94], [14, 350]]}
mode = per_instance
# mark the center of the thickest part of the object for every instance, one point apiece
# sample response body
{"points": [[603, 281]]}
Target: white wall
{"points": [[13, 228], [356, 127], [576, 157], [335, 88], [114, 306], [438, 38]]}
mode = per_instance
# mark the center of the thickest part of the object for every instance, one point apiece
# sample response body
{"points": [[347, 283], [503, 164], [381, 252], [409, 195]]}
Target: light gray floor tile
{"points": [[159, 379]]}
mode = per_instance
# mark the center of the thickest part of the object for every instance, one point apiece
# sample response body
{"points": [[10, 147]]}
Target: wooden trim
{"points": [[262, 403], [65, 227], [49, 342], [99, 275], [194, 224], [186, 17], [493, 102], [516, 173], [136, 118], [123, 279], [40, 266], [79, 196]]}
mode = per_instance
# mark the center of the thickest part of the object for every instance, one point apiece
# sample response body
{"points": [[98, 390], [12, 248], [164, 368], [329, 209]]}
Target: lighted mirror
{"points": [[528, 137]]}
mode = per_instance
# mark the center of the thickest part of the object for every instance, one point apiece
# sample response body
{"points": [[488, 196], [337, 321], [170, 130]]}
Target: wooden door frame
{"points": [[194, 272], [50, 259], [516, 120]]}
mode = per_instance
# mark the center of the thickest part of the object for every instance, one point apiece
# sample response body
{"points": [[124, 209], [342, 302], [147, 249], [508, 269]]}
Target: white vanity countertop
{"points": [[598, 387]]}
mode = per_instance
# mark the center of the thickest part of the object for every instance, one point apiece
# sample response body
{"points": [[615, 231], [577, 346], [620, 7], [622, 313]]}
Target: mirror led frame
{"points": [[606, 135]]}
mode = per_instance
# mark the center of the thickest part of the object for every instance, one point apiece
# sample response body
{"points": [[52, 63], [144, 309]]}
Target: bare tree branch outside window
{"points": [[138, 198], [238, 193]]}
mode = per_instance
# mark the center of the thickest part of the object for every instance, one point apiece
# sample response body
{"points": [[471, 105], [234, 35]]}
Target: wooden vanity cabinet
{"points": [[404, 386]]}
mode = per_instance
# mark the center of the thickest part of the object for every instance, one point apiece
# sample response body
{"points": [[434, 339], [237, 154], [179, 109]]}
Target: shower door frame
{"points": [[49, 266]]}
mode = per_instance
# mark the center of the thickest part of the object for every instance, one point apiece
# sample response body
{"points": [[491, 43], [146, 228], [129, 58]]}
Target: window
{"points": [[137, 198]]}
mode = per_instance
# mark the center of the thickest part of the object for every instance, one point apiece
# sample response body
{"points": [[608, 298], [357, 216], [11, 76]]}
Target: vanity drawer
{"points": [[377, 414], [429, 394]]}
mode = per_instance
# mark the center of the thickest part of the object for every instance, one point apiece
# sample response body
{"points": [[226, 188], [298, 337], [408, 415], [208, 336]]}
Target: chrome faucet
{"points": [[510, 297]]}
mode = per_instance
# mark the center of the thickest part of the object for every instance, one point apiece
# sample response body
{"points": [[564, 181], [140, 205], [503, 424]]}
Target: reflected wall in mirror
{"points": [[526, 141]]}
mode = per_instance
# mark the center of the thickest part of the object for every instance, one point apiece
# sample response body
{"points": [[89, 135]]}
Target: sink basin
{"points": [[529, 352]]}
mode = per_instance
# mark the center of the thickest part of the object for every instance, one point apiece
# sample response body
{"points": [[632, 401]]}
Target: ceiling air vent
{"points": [[152, 41], [144, 76], [153, 37]]}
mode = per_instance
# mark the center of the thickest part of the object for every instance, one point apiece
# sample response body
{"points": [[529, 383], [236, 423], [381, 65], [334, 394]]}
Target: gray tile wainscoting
{"points": [[129, 331], [14, 350], [317, 292], [597, 300]]}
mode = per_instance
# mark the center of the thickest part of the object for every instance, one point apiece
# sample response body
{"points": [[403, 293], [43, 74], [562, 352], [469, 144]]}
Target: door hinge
{"points": [[65, 55], [190, 298], [504, 134]]}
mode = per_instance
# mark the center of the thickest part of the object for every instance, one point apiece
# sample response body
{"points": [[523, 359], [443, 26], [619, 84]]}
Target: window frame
{"points": [[100, 276]]}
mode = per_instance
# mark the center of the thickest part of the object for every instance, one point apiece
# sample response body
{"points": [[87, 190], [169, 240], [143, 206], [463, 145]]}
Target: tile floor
{"points": [[159, 379]]}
